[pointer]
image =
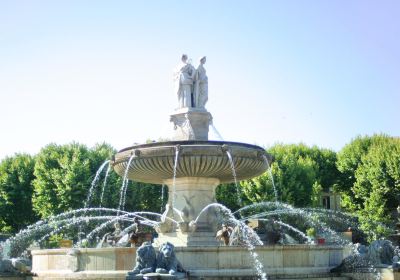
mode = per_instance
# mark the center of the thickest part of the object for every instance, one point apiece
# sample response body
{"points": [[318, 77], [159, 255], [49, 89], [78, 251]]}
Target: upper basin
{"points": [[154, 162]]}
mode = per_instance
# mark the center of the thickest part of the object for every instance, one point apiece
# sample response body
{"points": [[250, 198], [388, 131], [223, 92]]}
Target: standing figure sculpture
{"points": [[183, 80], [201, 85]]}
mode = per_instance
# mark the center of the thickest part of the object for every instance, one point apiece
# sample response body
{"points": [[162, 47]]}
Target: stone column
{"points": [[192, 195]]}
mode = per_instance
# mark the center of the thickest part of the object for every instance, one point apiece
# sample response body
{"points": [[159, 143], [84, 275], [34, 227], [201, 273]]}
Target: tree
{"points": [[146, 197], [63, 176], [300, 174], [349, 158], [372, 168], [16, 176], [227, 194]]}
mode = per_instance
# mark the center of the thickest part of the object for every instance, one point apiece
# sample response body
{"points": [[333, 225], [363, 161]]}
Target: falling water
{"points": [[162, 197], [94, 183], [309, 214], [43, 229], [104, 185], [292, 228], [189, 129], [92, 186], [122, 196], [214, 129], [239, 199], [272, 177], [177, 148], [250, 238]]}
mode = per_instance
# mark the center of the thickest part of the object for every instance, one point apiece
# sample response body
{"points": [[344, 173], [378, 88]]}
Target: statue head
{"points": [[203, 59], [184, 58], [167, 250]]}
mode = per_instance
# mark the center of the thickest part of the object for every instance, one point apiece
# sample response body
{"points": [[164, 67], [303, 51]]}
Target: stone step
{"points": [[203, 239], [311, 277], [203, 233], [203, 244]]}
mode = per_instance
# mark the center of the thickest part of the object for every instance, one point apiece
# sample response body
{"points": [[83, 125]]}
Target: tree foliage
{"points": [[231, 196], [63, 175], [300, 174], [16, 176], [146, 197], [371, 166]]}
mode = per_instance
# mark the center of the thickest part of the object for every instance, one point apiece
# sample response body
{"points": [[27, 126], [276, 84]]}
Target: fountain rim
{"points": [[185, 148], [191, 143]]}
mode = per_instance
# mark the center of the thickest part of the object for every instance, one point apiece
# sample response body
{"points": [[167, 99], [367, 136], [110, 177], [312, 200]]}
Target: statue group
{"points": [[191, 84]]}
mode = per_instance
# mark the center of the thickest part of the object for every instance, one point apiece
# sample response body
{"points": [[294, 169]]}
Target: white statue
{"points": [[201, 85], [183, 80]]}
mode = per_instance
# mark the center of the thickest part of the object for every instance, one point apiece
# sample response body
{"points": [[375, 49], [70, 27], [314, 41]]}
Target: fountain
{"points": [[192, 167]]}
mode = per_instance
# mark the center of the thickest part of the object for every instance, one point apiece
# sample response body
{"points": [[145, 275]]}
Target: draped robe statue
{"points": [[183, 80], [201, 85]]}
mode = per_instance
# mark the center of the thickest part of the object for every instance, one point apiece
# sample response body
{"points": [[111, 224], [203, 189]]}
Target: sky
{"points": [[316, 72]]}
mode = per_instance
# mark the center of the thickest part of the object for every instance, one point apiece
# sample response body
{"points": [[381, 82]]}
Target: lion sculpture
{"points": [[145, 259], [379, 253], [167, 263]]}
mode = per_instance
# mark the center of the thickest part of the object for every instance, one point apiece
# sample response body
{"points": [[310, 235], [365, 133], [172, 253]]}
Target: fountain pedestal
{"points": [[191, 124], [189, 196]]}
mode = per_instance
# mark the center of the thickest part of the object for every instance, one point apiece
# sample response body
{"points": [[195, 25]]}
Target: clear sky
{"points": [[318, 72]]}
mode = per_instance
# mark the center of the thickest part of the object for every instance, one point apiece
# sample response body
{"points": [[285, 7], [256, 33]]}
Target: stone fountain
{"points": [[192, 166]]}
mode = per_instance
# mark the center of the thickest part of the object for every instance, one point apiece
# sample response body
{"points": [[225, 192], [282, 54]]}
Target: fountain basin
{"points": [[288, 261], [154, 162]]}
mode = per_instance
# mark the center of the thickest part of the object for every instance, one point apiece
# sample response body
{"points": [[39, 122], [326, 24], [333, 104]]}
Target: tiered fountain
{"points": [[192, 167]]}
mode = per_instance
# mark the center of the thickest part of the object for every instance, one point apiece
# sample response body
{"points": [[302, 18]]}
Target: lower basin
{"points": [[215, 262]]}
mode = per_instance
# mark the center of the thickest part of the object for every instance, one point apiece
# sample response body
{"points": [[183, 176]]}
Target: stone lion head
{"points": [[167, 250]]}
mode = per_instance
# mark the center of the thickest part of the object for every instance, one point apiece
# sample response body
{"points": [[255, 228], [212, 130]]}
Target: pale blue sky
{"points": [[318, 72]]}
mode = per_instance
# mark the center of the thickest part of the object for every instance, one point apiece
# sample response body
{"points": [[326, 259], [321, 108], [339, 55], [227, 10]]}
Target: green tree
{"points": [[371, 166], [145, 197], [63, 176], [300, 173], [227, 194], [16, 176], [349, 158]]}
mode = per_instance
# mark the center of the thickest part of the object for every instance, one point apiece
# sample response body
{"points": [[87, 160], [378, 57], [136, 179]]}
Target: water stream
{"points": [[124, 186], [162, 197], [215, 131], [232, 164], [247, 235], [104, 185], [271, 176], [94, 183], [173, 194]]}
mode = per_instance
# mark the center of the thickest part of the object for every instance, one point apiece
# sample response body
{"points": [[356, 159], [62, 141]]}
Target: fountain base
{"points": [[211, 262], [180, 239]]}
